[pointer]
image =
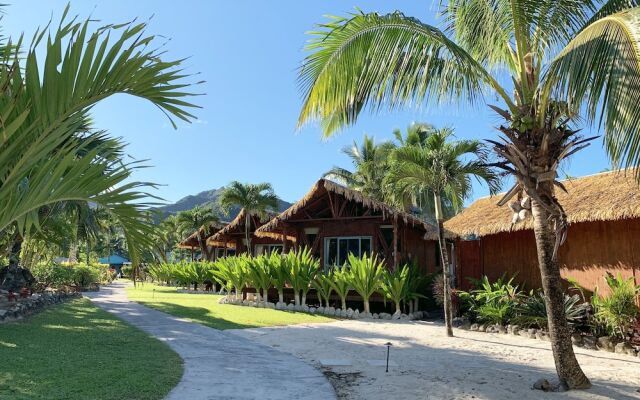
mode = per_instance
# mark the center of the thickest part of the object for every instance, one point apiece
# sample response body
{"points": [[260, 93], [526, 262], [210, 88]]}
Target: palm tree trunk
{"points": [[203, 248], [296, 297], [247, 228], [446, 285], [366, 305], [567, 367], [343, 301], [304, 299], [265, 295], [398, 309]]}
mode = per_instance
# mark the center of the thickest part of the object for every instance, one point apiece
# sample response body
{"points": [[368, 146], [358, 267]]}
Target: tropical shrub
{"points": [[322, 285], [341, 284], [617, 311], [416, 282], [126, 271], [492, 302], [164, 272], [85, 276], [279, 274], [365, 276], [532, 311], [259, 275], [302, 267], [394, 286]]}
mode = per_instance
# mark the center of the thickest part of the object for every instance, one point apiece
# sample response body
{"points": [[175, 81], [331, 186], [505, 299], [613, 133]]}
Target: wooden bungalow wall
{"points": [[411, 240], [591, 250]]}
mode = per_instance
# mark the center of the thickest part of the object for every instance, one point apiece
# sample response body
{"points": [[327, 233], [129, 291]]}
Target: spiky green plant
{"points": [[341, 284], [618, 310], [302, 267], [532, 311], [322, 285], [259, 274], [233, 271], [394, 286], [365, 275], [279, 273]]}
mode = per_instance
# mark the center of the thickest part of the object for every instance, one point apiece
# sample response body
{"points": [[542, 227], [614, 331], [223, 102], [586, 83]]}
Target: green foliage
{"points": [[617, 311], [302, 267], [323, 286], [365, 276], [127, 271], [62, 276], [532, 312], [340, 281], [394, 285], [85, 276], [232, 271], [163, 272], [279, 273], [492, 302], [259, 274]]}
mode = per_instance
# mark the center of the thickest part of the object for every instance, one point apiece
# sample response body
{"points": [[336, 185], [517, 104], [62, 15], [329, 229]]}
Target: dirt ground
{"points": [[425, 364]]}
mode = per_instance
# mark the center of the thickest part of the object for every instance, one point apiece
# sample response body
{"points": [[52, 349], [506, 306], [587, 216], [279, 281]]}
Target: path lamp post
{"points": [[388, 344]]}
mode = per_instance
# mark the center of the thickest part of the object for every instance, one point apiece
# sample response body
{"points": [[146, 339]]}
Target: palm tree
{"points": [[369, 161], [560, 58], [200, 219], [254, 199], [46, 107], [437, 166]]}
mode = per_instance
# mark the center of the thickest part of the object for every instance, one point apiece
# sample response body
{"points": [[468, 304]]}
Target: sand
{"points": [[425, 364]]}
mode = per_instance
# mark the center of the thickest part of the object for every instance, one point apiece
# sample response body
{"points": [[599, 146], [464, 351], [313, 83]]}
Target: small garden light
{"points": [[388, 344]]}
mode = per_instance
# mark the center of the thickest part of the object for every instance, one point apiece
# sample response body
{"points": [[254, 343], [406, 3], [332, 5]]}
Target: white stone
{"points": [[356, 314], [330, 311], [312, 310], [291, 307], [375, 316], [349, 313], [305, 308], [320, 310]]}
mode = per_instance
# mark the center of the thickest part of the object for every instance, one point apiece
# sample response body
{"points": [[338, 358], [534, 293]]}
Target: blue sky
{"points": [[248, 53]]}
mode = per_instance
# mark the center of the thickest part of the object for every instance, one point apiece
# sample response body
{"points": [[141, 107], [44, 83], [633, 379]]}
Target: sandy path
{"points": [[430, 366]]}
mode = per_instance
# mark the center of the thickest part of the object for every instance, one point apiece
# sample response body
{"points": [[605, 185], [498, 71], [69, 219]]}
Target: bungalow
{"points": [[333, 221], [215, 249], [233, 236], [603, 236]]}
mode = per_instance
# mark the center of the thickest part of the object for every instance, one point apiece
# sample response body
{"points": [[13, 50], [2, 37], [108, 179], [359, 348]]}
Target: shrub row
{"points": [[64, 275], [300, 271], [502, 302]]}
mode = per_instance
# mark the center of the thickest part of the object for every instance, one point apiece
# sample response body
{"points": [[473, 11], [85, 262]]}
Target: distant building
{"points": [[115, 261]]}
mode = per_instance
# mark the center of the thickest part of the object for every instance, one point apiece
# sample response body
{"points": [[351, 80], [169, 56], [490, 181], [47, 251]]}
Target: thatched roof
{"points": [[602, 197], [191, 242], [276, 225], [236, 227]]}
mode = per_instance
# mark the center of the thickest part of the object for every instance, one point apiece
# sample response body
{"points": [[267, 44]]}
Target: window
{"points": [[268, 248], [336, 249]]}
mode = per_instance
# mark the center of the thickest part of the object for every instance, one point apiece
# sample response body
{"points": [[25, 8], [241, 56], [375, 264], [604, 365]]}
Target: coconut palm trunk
{"points": [[247, 229], [203, 248], [568, 369], [444, 257], [296, 297]]}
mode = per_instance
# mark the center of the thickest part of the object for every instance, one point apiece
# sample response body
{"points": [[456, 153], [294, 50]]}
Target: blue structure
{"points": [[115, 261]]}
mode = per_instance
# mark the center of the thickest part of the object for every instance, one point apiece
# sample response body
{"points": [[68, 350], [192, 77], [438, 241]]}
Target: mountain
{"points": [[209, 198]]}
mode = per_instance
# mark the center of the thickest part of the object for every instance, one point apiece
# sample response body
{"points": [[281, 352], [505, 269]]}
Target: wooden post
{"points": [[284, 241], [395, 242], [225, 248], [192, 254]]}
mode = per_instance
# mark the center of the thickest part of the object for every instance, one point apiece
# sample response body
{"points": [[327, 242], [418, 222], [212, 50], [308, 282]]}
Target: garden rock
{"points": [[589, 342], [531, 333], [543, 384], [404, 317], [312, 310], [384, 315], [270, 305], [304, 308], [466, 325], [330, 311], [624, 348], [291, 307], [482, 328], [501, 329], [474, 327], [349, 313], [576, 339], [542, 335], [457, 322], [13, 277], [375, 316], [356, 314], [605, 343], [320, 310], [343, 313], [366, 315]]}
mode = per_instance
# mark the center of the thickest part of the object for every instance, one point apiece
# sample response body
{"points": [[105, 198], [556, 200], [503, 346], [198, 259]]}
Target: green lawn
{"points": [[78, 351], [204, 309]]}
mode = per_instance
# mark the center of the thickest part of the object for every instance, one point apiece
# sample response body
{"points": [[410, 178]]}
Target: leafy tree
{"points": [[254, 199], [259, 273], [322, 285], [279, 273], [341, 284], [394, 285], [369, 160], [200, 219], [46, 109], [560, 58], [443, 168], [302, 267]]}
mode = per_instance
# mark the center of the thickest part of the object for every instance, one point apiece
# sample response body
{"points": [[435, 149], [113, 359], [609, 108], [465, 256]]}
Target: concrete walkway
{"points": [[218, 365]]}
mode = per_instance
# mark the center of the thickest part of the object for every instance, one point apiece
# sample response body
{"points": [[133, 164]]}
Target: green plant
{"points": [[279, 273], [322, 285], [341, 284], [259, 275], [532, 311], [126, 271], [617, 311], [233, 272], [163, 272], [302, 267], [365, 275], [84, 276], [394, 286], [492, 302]]}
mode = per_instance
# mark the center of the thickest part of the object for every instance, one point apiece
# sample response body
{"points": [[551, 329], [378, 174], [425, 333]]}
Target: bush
{"points": [[494, 303], [617, 312], [532, 312], [85, 276], [365, 276], [126, 271]]}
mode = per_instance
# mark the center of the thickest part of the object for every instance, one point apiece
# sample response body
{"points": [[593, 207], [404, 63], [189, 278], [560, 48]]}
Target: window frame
{"points": [[327, 239]]}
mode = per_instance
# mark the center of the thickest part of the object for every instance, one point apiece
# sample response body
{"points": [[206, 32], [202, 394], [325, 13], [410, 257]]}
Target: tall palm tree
{"points": [[369, 160], [45, 107], [200, 219], [560, 59], [254, 199], [442, 168]]}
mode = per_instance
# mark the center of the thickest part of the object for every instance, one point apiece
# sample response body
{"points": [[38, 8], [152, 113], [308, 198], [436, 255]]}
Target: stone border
{"points": [[327, 311], [603, 343], [22, 307]]}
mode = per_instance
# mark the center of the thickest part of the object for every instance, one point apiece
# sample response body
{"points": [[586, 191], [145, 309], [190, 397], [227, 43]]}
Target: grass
{"points": [[204, 309], [78, 351]]}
